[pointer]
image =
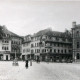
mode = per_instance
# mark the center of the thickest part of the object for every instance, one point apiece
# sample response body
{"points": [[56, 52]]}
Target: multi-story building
{"points": [[50, 45], [26, 48], [10, 45], [76, 41], [44, 45], [5, 49]]}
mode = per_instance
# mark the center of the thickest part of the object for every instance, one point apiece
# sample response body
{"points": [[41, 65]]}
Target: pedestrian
{"points": [[26, 63]]}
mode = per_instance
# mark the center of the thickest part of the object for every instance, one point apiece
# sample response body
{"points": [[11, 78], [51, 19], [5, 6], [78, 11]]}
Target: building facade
{"points": [[16, 43], [26, 48], [5, 49], [76, 41], [45, 45], [10, 45], [48, 45]]}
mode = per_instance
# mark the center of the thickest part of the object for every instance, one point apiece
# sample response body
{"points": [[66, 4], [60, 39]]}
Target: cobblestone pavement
{"points": [[39, 71]]}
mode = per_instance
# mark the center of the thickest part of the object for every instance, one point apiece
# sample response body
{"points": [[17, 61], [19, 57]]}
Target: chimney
{"points": [[74, 24]]}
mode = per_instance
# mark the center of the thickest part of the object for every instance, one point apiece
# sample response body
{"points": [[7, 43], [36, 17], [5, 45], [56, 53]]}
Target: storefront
{"points": [[55, 57]]}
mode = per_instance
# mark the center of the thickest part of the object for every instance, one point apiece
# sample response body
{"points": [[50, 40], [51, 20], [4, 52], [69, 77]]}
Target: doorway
{"points": [[6, 57], [78, 55]]}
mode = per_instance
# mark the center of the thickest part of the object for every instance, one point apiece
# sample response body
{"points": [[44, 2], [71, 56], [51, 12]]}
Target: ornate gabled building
{"points": [[10, 44], [50, 45]]}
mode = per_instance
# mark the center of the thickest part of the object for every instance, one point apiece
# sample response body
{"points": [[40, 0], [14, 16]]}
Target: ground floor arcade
{"points": [[48, 57]]}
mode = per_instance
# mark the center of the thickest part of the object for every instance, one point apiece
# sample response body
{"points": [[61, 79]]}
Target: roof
{"points": [[28, 35], [51, 33], [6, 31]]}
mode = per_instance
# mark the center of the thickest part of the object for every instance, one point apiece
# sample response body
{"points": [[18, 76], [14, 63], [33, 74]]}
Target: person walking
{"points": [[26, 63]]}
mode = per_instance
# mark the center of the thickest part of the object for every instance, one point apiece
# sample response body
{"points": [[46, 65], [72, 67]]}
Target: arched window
{"points": [[78, 55]]}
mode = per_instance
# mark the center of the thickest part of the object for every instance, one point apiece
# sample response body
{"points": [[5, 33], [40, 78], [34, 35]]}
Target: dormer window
{"points": [[44, 37]]}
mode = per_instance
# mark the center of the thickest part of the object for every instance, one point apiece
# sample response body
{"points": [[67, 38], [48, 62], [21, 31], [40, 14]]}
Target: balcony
{"points": [[58, 41]]}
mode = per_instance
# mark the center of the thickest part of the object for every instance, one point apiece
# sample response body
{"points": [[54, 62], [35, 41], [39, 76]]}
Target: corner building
{"points": [[51, 45]]}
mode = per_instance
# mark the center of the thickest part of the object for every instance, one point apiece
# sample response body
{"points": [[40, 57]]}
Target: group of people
{"points": [[27, 61]]}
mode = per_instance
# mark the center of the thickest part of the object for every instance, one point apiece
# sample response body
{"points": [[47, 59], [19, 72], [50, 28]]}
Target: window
{"points": [[78, 55], [54, 44], [77, 33], [45, 50], [35, 51], [35, 44], [65, 50], [61, 51], [7, 41], [39, 50], [69, 51], [2, 48], [58, 44], [12, 42], [23, 50], [57, 39], [32, 51], [77, 44], [7, 48], [50, 50], [55, 50], [58, 51], [32, 45]]}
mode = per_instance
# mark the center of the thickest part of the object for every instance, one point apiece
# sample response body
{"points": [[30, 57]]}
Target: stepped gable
{"points": [[51, 33]]}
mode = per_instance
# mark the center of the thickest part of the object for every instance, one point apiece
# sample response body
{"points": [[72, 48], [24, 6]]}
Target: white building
{"points": [[10, 43], [5, 49], [26, 47]]}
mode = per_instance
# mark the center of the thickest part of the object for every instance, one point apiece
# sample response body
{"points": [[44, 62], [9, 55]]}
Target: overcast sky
{"points": [[25, 17]]}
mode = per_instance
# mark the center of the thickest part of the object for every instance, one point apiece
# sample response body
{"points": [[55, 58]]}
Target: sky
{"points": [[25, 17]]}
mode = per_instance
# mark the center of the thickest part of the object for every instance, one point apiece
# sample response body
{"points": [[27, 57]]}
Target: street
{"points": [[39, 71]]}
